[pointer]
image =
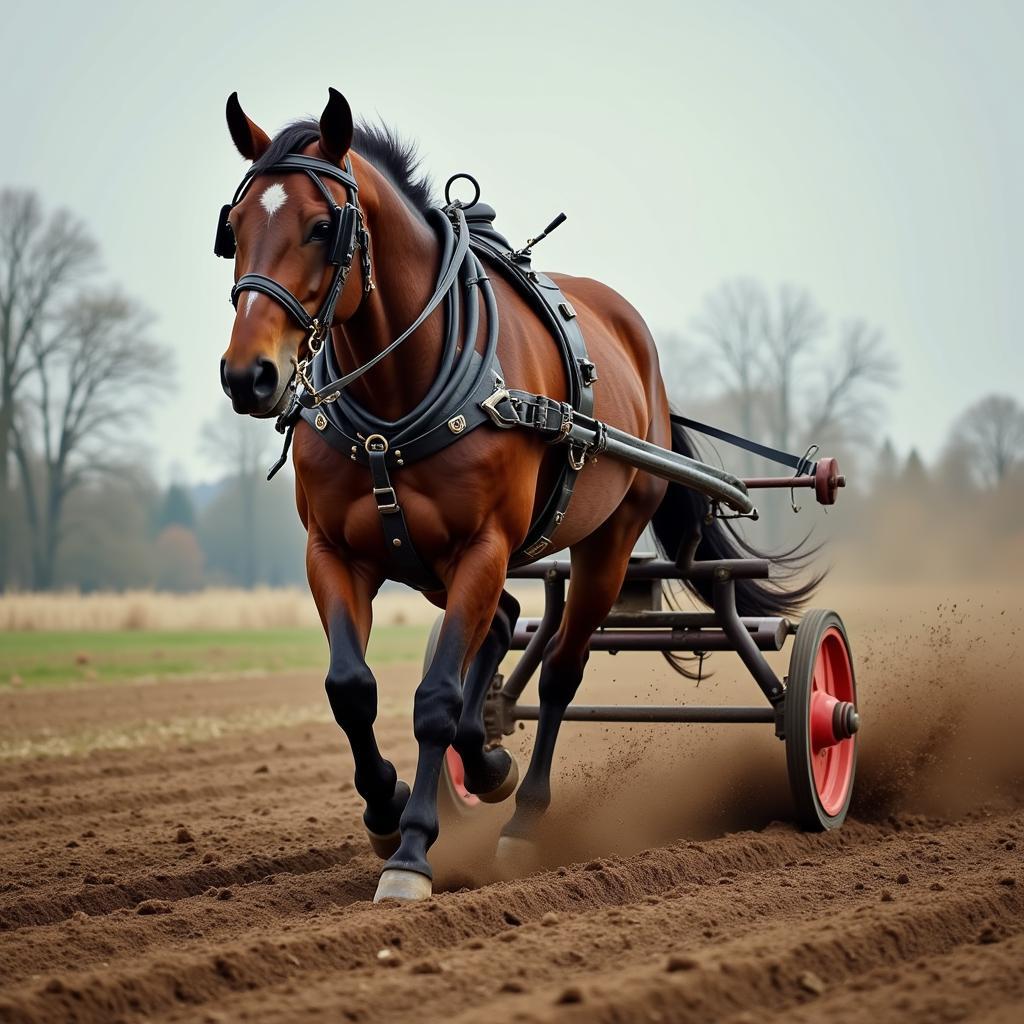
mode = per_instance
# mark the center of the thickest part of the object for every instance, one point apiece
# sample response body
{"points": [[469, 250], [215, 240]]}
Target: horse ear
{"points": [[249, 138], [336, 127]]}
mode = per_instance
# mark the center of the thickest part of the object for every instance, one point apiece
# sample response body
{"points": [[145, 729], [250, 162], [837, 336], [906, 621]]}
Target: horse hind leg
{"points": [[598, 569], [491, 774]]}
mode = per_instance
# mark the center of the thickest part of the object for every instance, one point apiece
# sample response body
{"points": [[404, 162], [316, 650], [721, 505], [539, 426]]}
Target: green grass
{"points": [[57, 659]]}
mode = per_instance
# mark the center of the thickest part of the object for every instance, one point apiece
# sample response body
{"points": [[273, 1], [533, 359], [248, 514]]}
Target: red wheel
{"points": [[821, 722], [453, 799]]}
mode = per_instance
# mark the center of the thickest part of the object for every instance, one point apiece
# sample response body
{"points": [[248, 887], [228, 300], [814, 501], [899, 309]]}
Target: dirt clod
{"points": [[811, 982], [153, 907], [681, 962]]}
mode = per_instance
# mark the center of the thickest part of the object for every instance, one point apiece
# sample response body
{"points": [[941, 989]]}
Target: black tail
{"points": [[684, 508]]}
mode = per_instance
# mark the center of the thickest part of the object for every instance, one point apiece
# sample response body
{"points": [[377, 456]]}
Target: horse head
{"points": [[292, 229]]}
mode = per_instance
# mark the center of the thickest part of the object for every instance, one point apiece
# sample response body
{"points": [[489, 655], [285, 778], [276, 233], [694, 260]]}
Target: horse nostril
{"points": [[265, 379], [225, 386]]}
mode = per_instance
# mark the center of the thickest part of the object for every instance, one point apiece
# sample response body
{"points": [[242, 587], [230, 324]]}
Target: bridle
{"points": [[348, 233]]}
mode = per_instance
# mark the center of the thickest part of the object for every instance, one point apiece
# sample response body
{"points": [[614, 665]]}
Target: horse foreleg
{"points": [[344, 602], [490, 774], [473, 594]]}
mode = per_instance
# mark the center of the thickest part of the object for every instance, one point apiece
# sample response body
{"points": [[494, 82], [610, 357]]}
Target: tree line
{"points": [[79, 363]]}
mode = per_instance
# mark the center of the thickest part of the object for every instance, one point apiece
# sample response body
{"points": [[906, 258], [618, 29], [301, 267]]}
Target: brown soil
{"points": [[227, 878]]}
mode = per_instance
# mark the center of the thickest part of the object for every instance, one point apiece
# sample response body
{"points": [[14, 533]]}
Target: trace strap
{"points": [[800, 463]]}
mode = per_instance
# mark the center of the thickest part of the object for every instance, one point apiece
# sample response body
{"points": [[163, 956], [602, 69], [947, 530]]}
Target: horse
{"points": [[469, 506]]}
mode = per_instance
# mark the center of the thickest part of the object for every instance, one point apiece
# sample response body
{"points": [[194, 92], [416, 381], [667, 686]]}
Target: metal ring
{"points": [[451, 181], [377, 440]]}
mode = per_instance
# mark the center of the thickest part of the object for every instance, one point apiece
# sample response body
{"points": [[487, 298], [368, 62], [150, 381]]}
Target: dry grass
{"points": [[215, 609]]}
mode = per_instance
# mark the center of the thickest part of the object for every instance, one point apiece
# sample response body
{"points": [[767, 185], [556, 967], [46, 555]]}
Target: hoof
{"points": [[384, 835], [399, 884], [514, 856], [384, 846], [507, 788]]}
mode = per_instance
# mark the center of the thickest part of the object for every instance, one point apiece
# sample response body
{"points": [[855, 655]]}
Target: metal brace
{"points": [[802, 466]]}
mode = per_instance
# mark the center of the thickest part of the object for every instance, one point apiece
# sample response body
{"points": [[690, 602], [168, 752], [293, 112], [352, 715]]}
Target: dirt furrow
{"points": [[776, 968], [351, 937]]}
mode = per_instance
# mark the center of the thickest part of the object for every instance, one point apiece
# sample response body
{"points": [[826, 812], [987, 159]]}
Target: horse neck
{"points": [[406, 255]]}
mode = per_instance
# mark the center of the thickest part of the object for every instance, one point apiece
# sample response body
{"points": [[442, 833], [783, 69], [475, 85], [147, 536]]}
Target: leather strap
{"points": [[408, 566], [298, 162], [278, 292], [801, 463], [332, 389]]}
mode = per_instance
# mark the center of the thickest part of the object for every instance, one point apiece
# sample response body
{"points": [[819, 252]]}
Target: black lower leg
{"points": [[558, 686], [485, 769], [352, 692], [436, 711]]}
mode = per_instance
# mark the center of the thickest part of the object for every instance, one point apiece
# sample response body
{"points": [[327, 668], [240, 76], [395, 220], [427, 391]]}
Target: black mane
{"points": [[381, 145]]}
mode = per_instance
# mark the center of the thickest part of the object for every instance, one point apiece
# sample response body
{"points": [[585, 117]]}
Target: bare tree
{"points": [[770, 358], [992, 433], [732, 324], [240, 444], [846, 405], [790, 332], [41, 259], [92, 376]]}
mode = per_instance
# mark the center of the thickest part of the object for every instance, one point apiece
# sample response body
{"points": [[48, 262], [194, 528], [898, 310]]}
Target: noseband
{"points": [[348, 232]]}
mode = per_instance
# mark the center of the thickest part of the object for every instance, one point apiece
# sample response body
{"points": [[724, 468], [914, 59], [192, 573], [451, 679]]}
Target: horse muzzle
{"points": [[254, 388]]}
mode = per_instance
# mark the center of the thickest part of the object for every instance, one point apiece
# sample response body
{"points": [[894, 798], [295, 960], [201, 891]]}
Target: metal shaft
{"points": [[715, 483]]}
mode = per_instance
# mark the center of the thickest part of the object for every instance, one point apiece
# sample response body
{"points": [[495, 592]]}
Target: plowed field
{"points": [[192, 851]]}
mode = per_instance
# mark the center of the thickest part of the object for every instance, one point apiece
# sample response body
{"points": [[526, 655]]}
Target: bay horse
{"points": [[469, 506]]}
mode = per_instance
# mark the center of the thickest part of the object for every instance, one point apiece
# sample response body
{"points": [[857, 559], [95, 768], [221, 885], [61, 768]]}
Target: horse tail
{"points": [[683, 509]]}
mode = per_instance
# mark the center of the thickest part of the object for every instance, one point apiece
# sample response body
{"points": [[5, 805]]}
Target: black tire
{"points": [[820, 803]]}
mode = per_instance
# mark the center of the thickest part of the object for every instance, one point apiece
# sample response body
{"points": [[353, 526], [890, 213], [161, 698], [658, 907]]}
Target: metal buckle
{"points": [[314, 341], [535, 549], [565, 427], [490, 406], [376, 444], [387, 507]]}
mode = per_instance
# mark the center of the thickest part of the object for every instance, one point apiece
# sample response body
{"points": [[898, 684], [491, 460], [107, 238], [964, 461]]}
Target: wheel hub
{"points": [[832, 720]]}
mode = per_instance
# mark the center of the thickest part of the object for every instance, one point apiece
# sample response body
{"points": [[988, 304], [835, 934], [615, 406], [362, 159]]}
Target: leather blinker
{"points": [[224, 243], [344, 222]]}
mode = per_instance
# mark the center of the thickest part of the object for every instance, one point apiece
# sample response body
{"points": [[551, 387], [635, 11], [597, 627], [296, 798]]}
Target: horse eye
{"points": [[320, 231]]}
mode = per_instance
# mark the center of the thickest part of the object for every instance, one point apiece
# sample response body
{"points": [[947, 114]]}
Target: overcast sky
{"points": [[873, 152]]}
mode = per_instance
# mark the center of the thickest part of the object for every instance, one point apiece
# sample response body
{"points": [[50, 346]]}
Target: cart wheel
{"points": [[821, 722], [453, 799]]}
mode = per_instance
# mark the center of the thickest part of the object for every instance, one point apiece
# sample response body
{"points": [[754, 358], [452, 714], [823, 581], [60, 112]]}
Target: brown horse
{"points": [[469, 506]]}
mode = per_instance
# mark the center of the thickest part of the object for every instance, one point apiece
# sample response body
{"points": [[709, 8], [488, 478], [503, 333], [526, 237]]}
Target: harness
{"points": [[348, 232], [469, 389]]}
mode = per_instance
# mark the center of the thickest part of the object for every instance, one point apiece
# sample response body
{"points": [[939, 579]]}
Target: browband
{"points": [[293, 162]]}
